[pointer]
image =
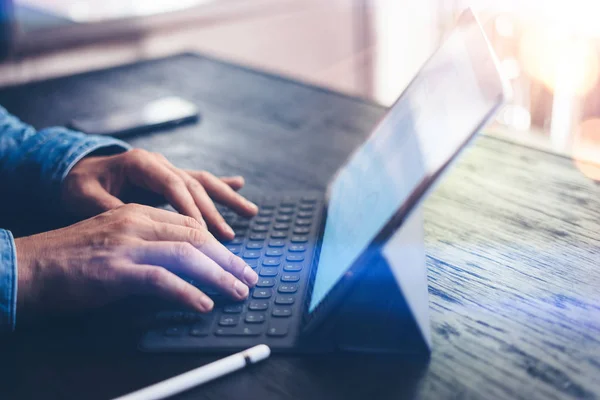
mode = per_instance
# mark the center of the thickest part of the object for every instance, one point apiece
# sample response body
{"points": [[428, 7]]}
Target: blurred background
{"points": [[370, 48]]}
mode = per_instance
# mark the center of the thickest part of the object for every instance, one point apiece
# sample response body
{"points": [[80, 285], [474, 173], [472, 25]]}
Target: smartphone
{"points": [[161, 113]]}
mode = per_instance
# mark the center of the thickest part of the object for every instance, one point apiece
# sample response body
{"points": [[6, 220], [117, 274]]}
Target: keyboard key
{"points": [[258, 305], [301, 230], [253, 263], [240, 224], [277, 243], [233, 308], [262, 221], [249, 255], [271, 262], [282, 311], [309, 199], [191, 316], [268, 271], [234, 241], [279, 235], [255, 318], [287, 288], [255, 330], [260, 229], [281, 226], [274, 253], [303, 222], [260, 293], [306, 207], [278, 327], [284, 300], [305, 214], [258, 236], [174, 331], [299, 239], [254, 245], [265, 282], [297, 248], [288, 202], [265, 213], [234, 249], [292, 268], [200, 328], [239, 232], [229, 320], [286, 211], [226, 213], [295, 257], [290, 278], [169, 316], [284, 218]]}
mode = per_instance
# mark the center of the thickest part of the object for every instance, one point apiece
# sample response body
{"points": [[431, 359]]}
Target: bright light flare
{"points": [[586, 148], [555, 59]]}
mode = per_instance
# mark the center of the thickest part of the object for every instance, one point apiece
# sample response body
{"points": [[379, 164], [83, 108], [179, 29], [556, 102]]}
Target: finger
{"points": [[94, 199], [164, 216], [146, 170], [183, 258], [157, 281], [235, 182], [224, 194], [207, 244], [212, 216]]}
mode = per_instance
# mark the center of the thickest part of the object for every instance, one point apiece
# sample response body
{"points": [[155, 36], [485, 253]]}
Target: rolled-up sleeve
{"points": [[8, 282], [33, 165]]}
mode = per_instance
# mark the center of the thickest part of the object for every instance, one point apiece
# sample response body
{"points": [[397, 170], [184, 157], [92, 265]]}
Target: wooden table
{"points": [[513, 243]]}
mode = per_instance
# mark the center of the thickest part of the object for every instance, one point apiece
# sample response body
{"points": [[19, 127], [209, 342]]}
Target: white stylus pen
{"points": [[200, 375]]}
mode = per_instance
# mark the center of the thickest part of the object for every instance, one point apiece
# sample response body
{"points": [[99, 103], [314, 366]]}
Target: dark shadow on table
{"points": [[95, 357]]}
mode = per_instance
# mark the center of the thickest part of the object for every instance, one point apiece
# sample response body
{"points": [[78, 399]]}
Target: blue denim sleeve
{"points": [[33, 164], [8, 282]]}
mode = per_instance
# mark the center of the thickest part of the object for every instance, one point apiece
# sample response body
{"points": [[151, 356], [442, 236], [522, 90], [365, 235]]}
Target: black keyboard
{"points": [[279, 245]]}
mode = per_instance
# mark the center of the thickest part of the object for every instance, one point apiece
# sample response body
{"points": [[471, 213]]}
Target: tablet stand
{"points": [[387, 310]]}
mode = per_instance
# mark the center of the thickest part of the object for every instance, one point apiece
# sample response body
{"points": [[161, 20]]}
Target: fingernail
{"points": [[207, 303], [225, 226], [252, 205], [250, 276], [241, 289]]}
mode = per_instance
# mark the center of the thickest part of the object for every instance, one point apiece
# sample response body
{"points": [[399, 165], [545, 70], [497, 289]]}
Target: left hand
{"points": [[100, 183]]}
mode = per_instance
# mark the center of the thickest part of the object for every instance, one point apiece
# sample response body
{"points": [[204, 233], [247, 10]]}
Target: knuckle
{"points": [[197, 237], [235, 263], [175, 183], [155, 277], [160, 156], [204, 175], [224, 278], [192, 223], [194, 184], [185, 251], [137, 153], [127, 221]]}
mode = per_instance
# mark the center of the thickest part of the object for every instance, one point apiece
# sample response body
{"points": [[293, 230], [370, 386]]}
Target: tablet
{"points": [[454, 94]]}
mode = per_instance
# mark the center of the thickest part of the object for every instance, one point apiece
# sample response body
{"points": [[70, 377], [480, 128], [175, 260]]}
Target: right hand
{"points": [[132, 249]]}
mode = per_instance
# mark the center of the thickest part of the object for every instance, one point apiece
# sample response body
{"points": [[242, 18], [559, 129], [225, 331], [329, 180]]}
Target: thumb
{"points": [[94, 199]]}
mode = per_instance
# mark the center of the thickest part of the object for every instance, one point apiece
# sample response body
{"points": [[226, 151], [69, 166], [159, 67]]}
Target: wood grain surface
{"points": [[512, 238]]}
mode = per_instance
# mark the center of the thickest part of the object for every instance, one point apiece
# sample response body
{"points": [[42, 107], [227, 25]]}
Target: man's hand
{"points": [[98, 184], [131, 249]]}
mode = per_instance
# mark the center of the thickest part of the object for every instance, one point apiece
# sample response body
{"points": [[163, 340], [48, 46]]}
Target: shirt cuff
{"points": [[76, 146], [57, 150], [8, 282]]}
